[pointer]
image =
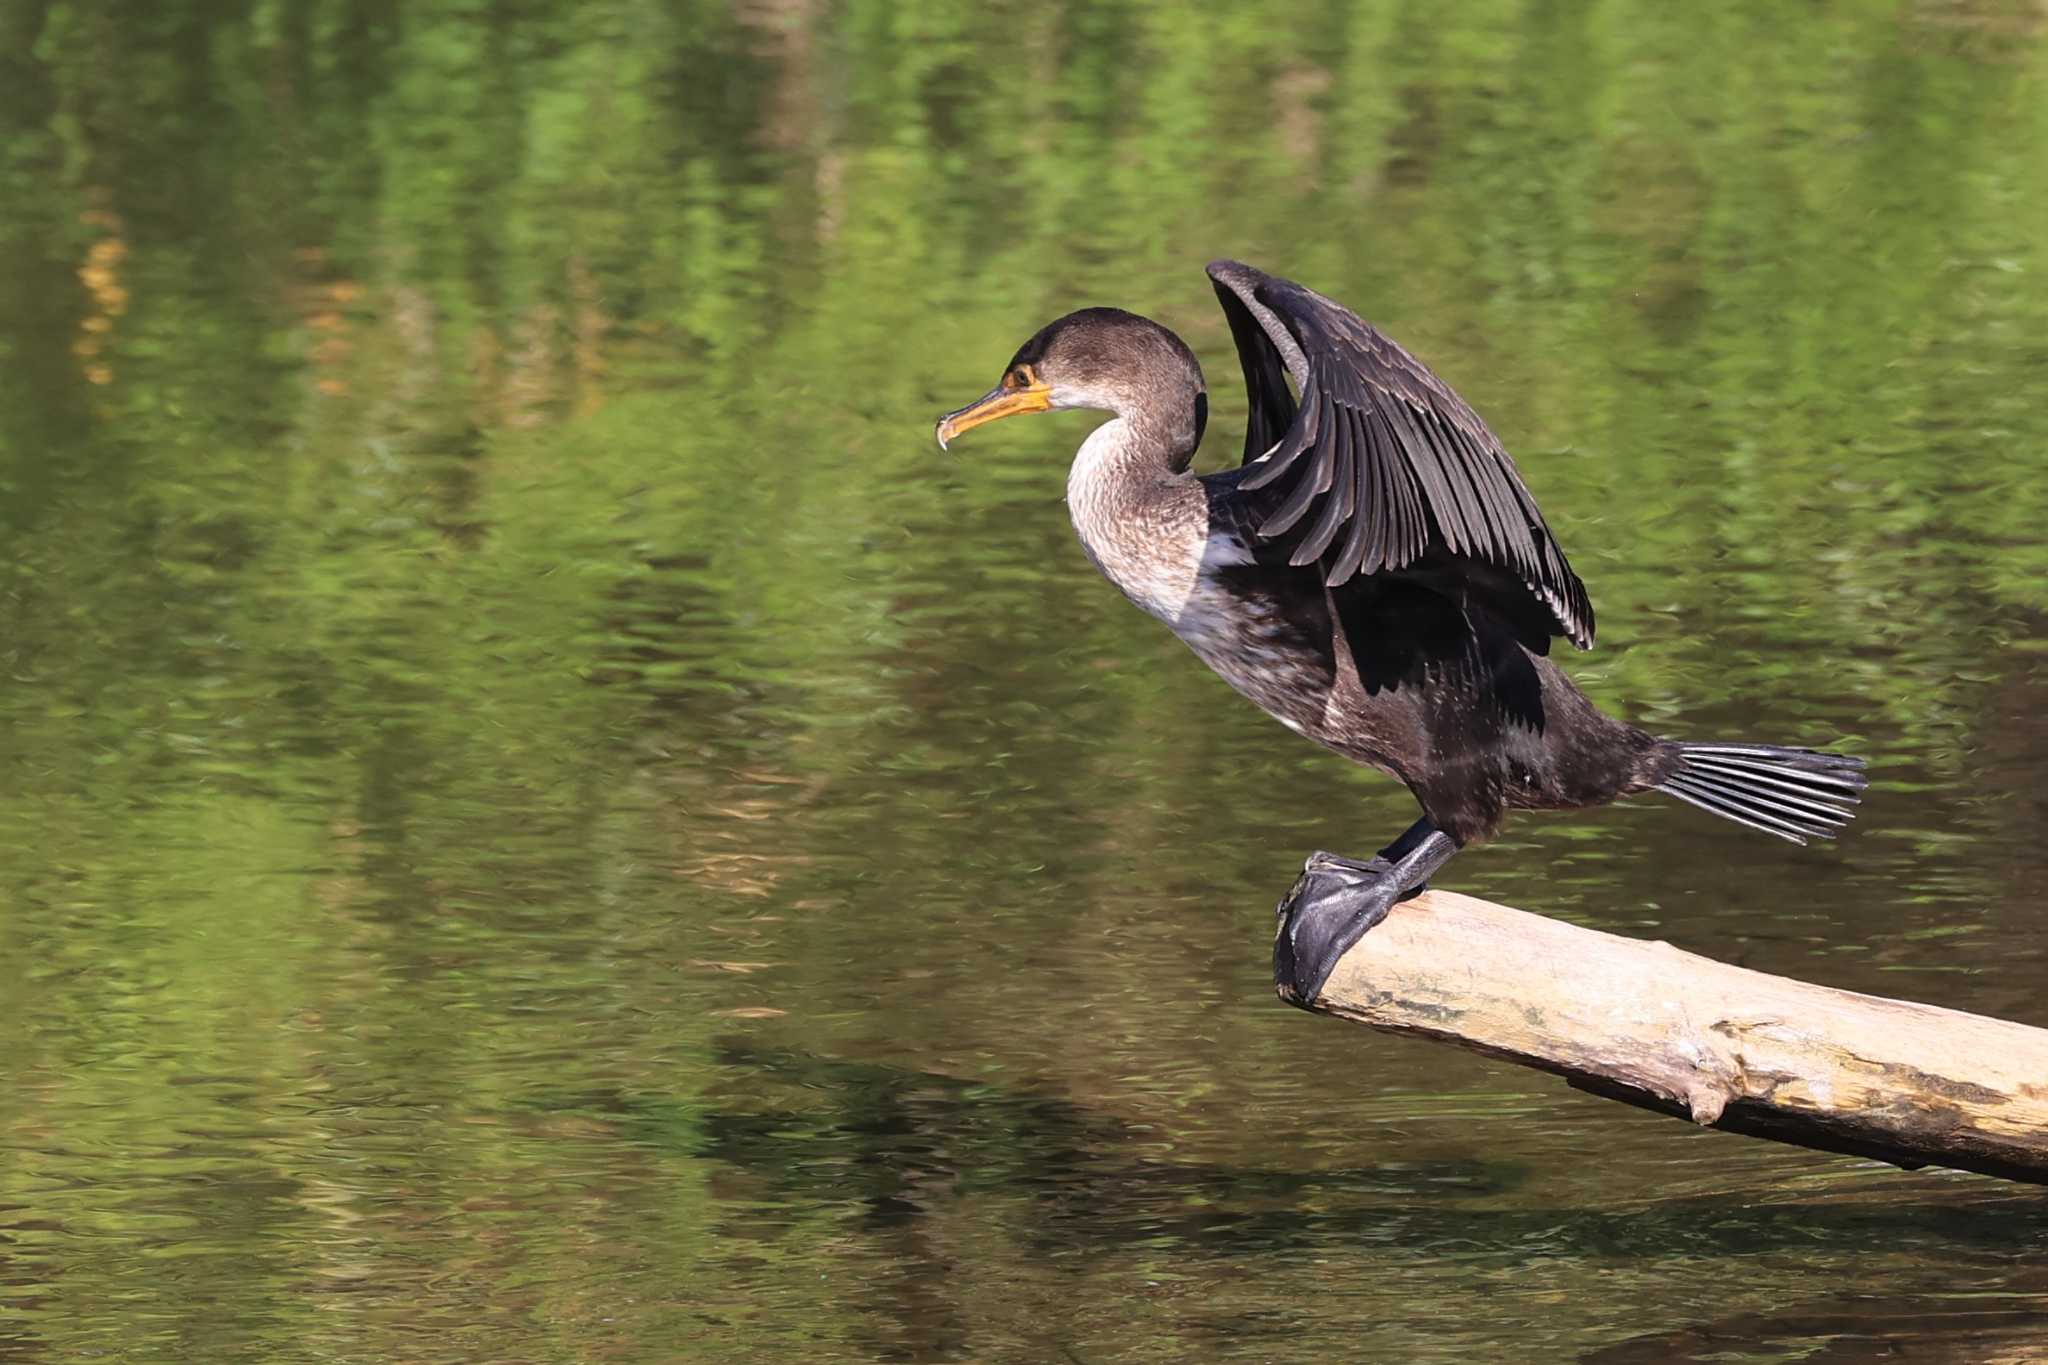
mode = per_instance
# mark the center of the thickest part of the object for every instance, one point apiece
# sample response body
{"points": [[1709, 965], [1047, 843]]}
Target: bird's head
{"points": [[1102, 358]]}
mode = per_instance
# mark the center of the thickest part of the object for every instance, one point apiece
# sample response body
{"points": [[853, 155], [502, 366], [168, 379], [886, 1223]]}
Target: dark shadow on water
{"points": [[895, 1146], [911, 1158], [1928, 1331], [898, 1140]]}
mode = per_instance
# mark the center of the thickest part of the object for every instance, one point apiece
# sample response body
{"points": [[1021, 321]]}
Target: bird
{"points": [[1376, 575]]}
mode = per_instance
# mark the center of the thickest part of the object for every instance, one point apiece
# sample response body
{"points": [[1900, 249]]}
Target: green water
{"points": [[545, 820]]}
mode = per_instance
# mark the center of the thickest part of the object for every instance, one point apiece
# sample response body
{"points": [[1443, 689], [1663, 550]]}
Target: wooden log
{"points": [[1729, 1048]]}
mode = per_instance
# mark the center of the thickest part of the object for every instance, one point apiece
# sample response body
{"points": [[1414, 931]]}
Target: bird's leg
{"points": [[1411, 839], [1336, 900]]}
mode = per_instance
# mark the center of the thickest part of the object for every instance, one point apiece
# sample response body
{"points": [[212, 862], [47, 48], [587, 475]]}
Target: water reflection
{"points": [[545, 819], [905, 1163]]}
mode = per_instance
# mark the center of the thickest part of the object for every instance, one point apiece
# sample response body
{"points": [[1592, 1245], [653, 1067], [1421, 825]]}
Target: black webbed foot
{"points": [[1330, 907], [1321, 861], [1336, 900], [1379, 863]]}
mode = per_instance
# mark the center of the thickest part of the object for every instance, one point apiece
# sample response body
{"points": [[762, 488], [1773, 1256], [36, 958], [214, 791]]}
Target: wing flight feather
{"points": [[1394, 466]]}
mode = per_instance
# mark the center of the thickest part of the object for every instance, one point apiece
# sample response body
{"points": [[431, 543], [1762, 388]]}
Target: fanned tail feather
{"points": [[1796, 794]]}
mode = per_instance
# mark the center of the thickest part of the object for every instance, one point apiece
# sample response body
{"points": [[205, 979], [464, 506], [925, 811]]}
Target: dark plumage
{"points": [[1377, 576], [1383, 451]]}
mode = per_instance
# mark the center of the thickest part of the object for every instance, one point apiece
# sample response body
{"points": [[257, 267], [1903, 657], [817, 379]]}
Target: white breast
{"points": [[1149, 536]]}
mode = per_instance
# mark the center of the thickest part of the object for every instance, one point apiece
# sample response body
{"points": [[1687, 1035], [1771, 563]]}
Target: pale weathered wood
{"points": [[1728, 1047]]}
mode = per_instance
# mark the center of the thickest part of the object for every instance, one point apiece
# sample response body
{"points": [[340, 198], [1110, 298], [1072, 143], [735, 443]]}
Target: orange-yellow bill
{"points": [[1001, 401]]}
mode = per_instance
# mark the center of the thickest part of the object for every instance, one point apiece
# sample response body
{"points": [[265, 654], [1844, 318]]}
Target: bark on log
{"points": [[1734, 1049]]}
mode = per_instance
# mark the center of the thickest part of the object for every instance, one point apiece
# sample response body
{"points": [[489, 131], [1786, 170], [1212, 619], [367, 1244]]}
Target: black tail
{"points": [[1796, 794]]}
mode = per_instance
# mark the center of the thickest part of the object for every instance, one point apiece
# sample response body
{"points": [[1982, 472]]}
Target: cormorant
{"points": [[1375, 575]]}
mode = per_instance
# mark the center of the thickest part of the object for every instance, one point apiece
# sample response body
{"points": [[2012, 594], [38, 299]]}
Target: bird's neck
{"points": [[1141, 516], [1123, 471]]}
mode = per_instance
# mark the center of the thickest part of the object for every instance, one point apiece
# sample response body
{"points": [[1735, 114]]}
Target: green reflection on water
{"points": [[546, 819]]}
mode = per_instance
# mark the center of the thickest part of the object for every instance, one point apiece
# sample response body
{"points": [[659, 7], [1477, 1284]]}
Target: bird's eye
{"points": [[1021, 377]]}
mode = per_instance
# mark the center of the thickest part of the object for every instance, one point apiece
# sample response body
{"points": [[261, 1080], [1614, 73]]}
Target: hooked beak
{"points": [[997, 402]]}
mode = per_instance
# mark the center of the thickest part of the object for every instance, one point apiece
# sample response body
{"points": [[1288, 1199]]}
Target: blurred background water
{"points": [[544, 820]]}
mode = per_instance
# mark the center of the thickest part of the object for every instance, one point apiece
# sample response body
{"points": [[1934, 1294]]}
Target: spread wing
{"points": [[1380, 467]]}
